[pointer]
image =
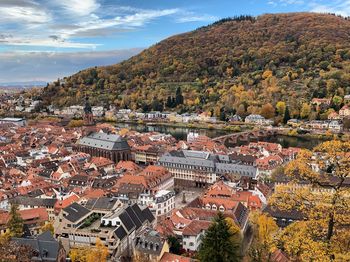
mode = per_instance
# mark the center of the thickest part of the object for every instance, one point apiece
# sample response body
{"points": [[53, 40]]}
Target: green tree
{"points": [[179, 99], [174, 245], [15, 224], [217, 244], [286, 116]]}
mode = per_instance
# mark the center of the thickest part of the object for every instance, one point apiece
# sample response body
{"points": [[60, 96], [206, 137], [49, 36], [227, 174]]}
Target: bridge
{"points": [[245, 137]]}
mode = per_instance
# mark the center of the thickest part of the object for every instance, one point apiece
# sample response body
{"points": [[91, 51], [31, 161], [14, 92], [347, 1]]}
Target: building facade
{"points": [[200, 169]]}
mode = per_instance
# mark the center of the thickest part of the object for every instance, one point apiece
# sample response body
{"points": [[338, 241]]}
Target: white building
{"points": [[193, 234], [164, 203]]}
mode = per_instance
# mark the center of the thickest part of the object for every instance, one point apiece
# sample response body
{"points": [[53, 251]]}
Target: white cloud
{"points": [[187, 16], [56, 23], [79, 7], [285, 2], [28, 14], [127, 21], [46, 42], [340, 7]]}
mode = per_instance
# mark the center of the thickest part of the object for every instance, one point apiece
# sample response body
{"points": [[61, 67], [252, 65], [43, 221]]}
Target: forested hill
{"points": [[234, 64]]}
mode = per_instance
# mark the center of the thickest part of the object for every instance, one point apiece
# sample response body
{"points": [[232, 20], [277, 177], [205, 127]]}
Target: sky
{"points": [[42, 40]]}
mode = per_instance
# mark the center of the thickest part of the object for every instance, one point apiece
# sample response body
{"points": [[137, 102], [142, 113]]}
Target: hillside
{"points": [[234, 64]]}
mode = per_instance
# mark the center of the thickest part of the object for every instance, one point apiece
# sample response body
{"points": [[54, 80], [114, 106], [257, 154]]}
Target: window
{"points": [[191, 244]]}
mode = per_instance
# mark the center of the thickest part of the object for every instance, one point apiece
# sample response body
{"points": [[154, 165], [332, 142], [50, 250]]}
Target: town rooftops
{"points": [[47, 247], [104, 141], [101, 203], [31, 201], [74, 212]]}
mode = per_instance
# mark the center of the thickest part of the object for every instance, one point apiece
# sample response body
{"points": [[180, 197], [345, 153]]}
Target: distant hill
{"points": [[234, 64], [23, 84]]}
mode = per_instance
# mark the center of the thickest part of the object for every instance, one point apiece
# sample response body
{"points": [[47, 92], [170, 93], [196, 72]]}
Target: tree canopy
{"points": [[323, 200], [219, 243]]}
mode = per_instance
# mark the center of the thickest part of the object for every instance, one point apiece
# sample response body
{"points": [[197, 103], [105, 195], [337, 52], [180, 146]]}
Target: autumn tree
{"points": [[318, 189], [264, 232], [305, 110], [267, 111], [217, 244], [281, 107], [15, 224], [99, 253], [47, 227], [76, 123]]}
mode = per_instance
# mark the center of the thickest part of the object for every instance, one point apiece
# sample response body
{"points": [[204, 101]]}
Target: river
{"points": [[180, 133]]}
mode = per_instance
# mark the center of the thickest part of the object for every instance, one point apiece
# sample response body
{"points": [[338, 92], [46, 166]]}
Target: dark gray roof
{"points": [[148, 215], [149, 242], [74, 212], [101, 203], [137, 210], [120, 233], [47, 247], [221, 164], [284, 214], [40, 202], [127, 221], [241, 214], [133, 216], [104, 141]]}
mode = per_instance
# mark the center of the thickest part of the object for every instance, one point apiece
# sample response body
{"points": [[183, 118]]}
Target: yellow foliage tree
{"points": [[99, 253], [267, 74], [264, 232], [47, 227], [319, 190], [305, 110], [235, 230], [281, 107]]}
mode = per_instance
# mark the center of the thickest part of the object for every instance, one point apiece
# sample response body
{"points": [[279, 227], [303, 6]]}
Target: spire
{"points": [[87, 107]]}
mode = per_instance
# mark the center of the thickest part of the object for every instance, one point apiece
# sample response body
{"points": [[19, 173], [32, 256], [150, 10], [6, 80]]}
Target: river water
{"points": [[180, 133]]}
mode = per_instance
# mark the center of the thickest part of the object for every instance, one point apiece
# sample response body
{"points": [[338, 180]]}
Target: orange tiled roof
{"points": [[168, 257], [195, 227]]}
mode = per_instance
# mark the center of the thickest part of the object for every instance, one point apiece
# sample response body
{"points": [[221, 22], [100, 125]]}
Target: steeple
{"points": [[87, 107], [88, 116]]}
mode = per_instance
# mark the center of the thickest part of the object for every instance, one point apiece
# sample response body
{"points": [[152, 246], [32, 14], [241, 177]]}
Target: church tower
{"points": [[88, 116]]}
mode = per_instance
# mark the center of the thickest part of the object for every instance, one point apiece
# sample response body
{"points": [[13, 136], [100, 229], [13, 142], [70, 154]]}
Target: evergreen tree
{"points": [[173, 102], [218, 244], [169, 102], [222, 114], [15, 224], [179, 99], [286, 116], [174, 245]]}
